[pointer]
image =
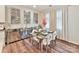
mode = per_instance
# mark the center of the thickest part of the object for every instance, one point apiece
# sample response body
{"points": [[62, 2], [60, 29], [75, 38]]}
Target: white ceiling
{"points": [[44, 8]]}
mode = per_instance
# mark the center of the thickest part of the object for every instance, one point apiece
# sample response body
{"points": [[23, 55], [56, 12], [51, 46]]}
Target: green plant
{"points": [[39, 27]]}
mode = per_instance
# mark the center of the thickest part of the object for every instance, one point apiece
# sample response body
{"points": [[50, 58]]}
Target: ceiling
{"points": [[44, 8]]}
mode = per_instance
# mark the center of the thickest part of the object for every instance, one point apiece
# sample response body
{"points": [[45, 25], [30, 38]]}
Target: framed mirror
{"points": [[35, 18], [27, 17], [15, 16]]}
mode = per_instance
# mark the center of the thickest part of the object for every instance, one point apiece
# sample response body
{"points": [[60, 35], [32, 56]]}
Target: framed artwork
{"points": [[35, 18], [27, 17], [15, 16]]}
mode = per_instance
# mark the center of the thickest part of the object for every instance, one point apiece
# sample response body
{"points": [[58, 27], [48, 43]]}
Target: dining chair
{"points": [[34, 40], [49, 41], [53, 41]]}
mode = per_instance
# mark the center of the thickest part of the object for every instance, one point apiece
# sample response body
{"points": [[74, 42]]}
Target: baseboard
{"points": [[69, 43]]}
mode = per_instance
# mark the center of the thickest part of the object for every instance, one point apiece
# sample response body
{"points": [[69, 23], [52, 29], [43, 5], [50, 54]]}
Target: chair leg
{"points": [[46, 48], [49, 50], [41, 47], [55, 42]]}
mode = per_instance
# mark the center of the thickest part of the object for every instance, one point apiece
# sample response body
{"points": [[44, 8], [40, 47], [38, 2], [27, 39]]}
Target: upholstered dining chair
{"points": [[34, 40], [53, 41], [49, 41]]}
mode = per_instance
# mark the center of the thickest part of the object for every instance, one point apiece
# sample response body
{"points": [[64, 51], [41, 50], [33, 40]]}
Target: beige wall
{"points": [[64, 23], [2, 13], [21, 25], [73, 24], [2, 20], [70, 22], [41, 16], [52, 19]]}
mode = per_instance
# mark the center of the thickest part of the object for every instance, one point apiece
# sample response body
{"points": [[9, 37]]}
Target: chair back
{"points": [[51, 36], [54, 35], [48, 38]]}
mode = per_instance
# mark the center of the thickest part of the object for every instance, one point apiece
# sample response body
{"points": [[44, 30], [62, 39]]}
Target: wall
{"points": [[64, 20], [70, 22], [2, 32], [41, 17], [64, 32], [73, 24], [2, 13], [21, 25], [52, 19]]}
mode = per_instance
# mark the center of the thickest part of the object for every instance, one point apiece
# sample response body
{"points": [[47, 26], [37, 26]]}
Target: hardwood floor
{"points": [[24, 46]]}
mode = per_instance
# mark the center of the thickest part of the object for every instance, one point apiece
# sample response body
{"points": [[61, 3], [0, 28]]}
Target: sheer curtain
{"points": [[47, 16], [59, 22]]}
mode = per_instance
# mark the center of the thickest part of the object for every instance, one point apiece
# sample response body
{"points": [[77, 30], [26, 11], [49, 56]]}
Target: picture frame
{"points": [[27, 17], [15, 16], [35, 18]]}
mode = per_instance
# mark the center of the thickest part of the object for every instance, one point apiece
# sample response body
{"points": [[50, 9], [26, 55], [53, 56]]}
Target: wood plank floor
{"points": [[24, 46]]}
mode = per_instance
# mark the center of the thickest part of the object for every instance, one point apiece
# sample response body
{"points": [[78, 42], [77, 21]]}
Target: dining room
{"points": [[39, 29]]}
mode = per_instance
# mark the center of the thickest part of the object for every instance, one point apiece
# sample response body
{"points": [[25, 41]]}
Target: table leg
{"points": [[30, 39], [41, 47]]}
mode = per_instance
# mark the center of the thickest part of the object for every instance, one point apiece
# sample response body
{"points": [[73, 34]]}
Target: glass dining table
{"points": [[42, 36]]}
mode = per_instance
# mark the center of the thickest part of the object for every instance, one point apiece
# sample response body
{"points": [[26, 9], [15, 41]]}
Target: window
{"points": [[59, 20]]}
